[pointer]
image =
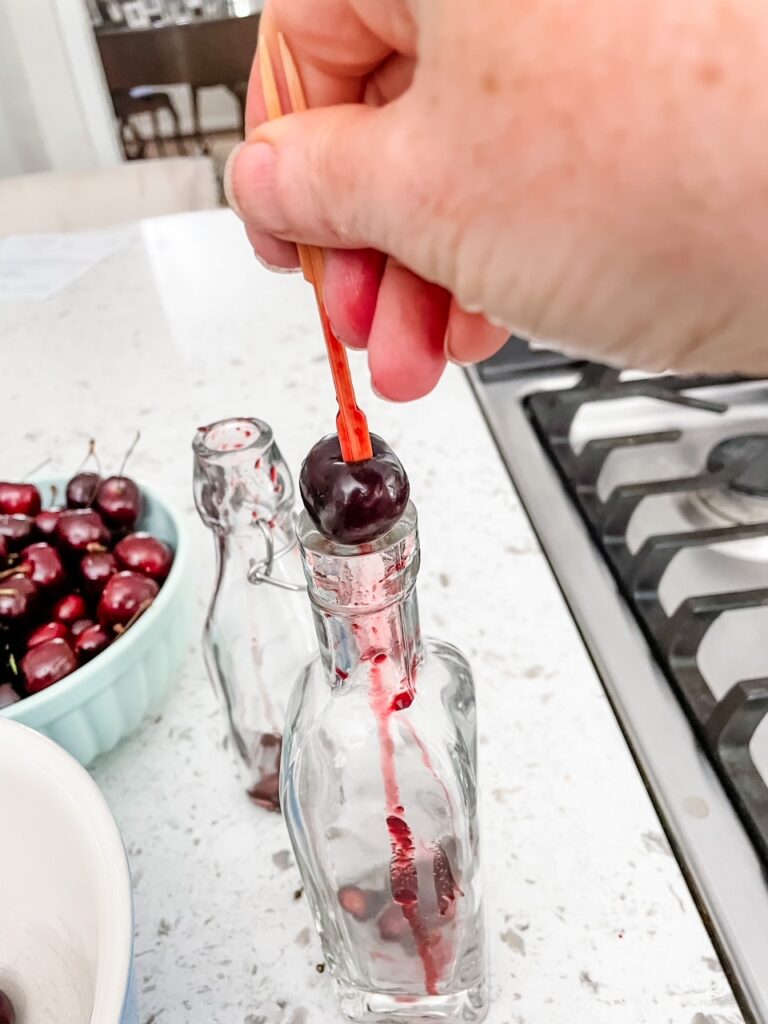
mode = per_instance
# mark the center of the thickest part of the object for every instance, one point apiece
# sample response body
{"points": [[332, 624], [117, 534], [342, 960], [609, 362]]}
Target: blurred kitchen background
{"points": [[128, 107]]}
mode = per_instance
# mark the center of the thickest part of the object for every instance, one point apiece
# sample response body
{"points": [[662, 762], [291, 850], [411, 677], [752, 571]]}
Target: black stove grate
{"points": [[725, 727]]}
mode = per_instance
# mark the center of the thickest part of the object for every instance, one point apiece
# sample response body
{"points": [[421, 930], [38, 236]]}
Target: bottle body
{"points": [[258, 632], [379, 790]]}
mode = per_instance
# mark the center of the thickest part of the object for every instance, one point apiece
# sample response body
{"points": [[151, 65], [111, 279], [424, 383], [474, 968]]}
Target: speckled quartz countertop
{"points": [[588, 915]]}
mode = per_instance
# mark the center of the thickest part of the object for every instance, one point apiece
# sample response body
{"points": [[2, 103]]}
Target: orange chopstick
{"points": [[351, 424]]}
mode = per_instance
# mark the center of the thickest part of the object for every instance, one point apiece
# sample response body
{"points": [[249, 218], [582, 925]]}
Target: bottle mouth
{"points": [[232, 437], [312, 540]]}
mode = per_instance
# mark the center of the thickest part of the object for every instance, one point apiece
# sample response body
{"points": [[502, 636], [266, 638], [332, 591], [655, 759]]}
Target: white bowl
{"points": [[66, 921]]}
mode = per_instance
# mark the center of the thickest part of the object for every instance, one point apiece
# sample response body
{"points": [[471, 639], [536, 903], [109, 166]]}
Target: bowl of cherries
{"points": [[94, 608]]}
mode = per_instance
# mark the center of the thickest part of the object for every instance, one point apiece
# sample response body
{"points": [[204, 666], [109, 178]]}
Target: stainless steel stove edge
{"points": [[714, 852]]}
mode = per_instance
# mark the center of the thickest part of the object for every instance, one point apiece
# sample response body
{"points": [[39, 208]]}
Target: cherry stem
{"points": [[91, 454], [139, 611], [36, 469], [18, 570], [130, 451]]}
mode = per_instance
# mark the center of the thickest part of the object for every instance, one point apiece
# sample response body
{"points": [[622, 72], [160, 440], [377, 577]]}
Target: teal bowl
{"points": [[91, 710]]}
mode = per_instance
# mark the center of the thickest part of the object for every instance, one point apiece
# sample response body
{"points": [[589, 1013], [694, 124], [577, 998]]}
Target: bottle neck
{"points": [[382, 646], [365, 606], [241, 480]]}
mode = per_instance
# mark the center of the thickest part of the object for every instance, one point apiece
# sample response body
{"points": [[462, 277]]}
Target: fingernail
{"points": [[228, 193], [273, 267], [256, 162], [448, 352]]}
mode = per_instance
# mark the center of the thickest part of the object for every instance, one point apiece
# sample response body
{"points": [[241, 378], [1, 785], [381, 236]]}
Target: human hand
{"points": [[592, 177]]}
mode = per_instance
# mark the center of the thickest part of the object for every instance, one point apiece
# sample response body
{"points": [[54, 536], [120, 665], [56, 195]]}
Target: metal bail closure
{"points": [[261, 572]]}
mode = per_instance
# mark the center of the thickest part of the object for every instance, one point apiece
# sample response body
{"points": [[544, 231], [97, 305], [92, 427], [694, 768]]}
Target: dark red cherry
{"points": [[69, 609], [45, 521], [8, 696], [145, 554], [78, 529], [95, 568], [82, 490], [80, 626], [7, 1012], [19, 499], [46, 664], [17, 530], [48, 631], [124, 598], [47, 568], [119, 502], [92, 641], [353, 502], [18, 595], [3, 550]]}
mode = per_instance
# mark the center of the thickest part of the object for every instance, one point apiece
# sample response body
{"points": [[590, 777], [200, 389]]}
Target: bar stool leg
{"points": [[196, 120]]}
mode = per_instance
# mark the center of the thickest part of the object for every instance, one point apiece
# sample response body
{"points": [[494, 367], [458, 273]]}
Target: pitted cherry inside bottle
{"points": [[379, 789], [258, 632]]}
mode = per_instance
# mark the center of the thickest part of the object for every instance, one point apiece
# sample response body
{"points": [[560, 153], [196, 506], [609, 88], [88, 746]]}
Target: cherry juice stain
{"points": [[402, 870]]}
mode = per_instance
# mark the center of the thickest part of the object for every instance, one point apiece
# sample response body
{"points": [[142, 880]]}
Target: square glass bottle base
{"points": [[468, 1006]]}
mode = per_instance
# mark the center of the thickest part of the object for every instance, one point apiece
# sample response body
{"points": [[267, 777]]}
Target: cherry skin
{"points": [[145, 554], [119, 502], [48, 631], [45, 521], [69, 609], [3, 550], [17, 530], [18, 596], [126, 596], [353, 502], [95, 568], [7, 1012], [46, 664], [47, 568], [78, 529], [80, 626], [19, 499], [82, 490], [92, 641]]}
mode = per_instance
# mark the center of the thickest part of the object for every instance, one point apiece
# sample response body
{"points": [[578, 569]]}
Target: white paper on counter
{"points": [[36, 267]]}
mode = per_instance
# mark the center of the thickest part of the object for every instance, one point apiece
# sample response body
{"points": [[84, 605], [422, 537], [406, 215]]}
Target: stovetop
{"points": [[650, 497]]}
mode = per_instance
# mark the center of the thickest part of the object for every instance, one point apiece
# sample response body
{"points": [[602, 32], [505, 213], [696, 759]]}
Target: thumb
{"points": [[335, 177]]}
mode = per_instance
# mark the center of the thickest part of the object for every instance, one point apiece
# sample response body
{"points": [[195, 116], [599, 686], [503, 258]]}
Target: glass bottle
{"points": [[258, 631], [379, 789]]}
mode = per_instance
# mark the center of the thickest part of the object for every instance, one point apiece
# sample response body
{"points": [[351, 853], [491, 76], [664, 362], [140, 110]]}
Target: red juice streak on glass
{"points": [[402, 870], [405, 892]]}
